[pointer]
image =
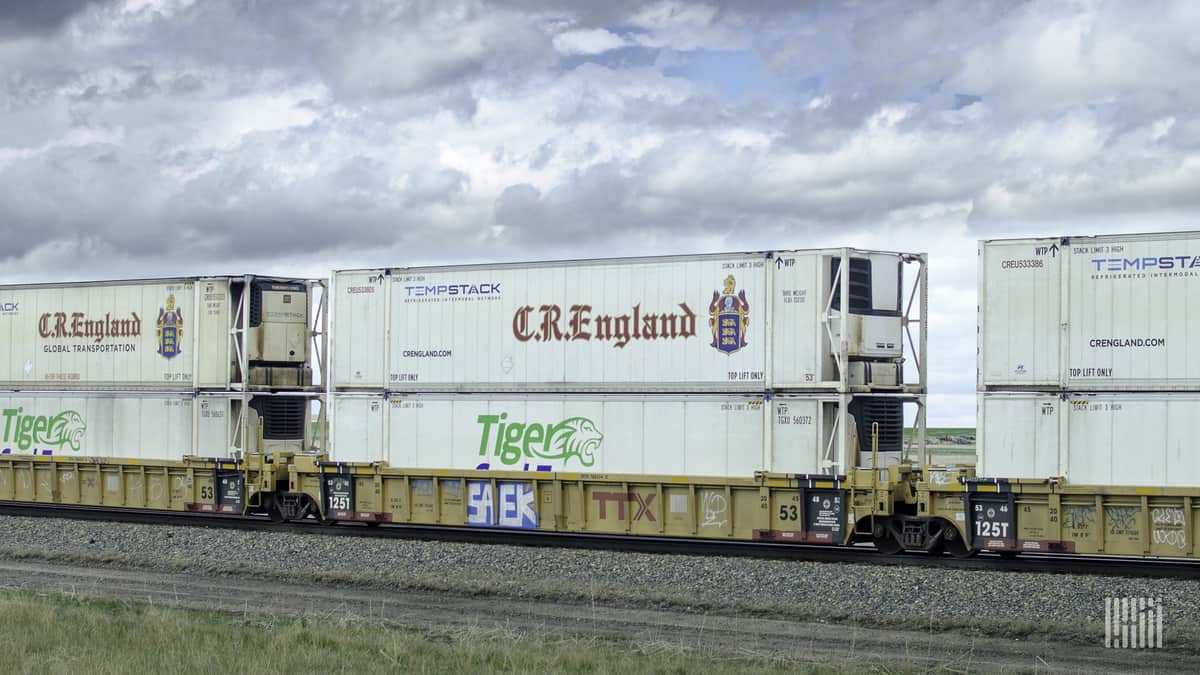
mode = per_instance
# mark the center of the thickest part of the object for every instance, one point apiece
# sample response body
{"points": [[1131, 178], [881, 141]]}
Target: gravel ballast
{"points": [[1015, 604]]}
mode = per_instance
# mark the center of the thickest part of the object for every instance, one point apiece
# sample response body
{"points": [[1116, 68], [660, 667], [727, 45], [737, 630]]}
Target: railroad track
{"points": [[1114, 566]]}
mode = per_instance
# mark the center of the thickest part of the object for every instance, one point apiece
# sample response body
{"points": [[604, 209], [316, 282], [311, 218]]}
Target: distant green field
{"points": [[940, 432]]}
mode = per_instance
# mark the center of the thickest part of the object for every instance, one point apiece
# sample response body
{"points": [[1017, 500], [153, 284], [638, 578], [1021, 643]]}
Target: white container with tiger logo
{"points": [[725, 435], [147, 426]]}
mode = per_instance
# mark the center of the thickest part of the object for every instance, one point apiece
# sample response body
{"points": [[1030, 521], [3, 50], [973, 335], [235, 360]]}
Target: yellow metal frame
{"points": [[836, 510]]}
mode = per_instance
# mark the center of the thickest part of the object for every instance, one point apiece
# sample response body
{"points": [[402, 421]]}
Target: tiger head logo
{"points": [[574, 437], [65, 430]]}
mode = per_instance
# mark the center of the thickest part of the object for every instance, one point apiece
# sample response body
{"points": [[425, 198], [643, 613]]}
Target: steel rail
{"points": [[1097, 565]]}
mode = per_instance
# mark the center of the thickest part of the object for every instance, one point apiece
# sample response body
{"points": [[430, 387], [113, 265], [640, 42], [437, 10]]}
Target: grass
{"points": [[939, 432], [618, 595], [53, 633]]}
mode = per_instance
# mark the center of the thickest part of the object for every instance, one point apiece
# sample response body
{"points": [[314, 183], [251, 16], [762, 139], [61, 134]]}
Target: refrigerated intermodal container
{"points": [[1103, 313], [1116, 439], [156, 334], [681, 434], [725, 322], [164, 426]]}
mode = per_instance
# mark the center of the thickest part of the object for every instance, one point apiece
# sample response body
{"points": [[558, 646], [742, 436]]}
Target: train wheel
{"points": [[884, 541], [887, 545], [954, 544]]}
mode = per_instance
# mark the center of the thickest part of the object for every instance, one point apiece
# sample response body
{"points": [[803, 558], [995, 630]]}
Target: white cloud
{"points": [[590, 41], [346, 132]]}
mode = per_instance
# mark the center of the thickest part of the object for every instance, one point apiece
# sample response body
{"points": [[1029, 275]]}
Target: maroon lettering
{"points": [[603, 327], [550, 316], [80, 325], [644, 506], [580, 321], [605, 497], [688, 328], [622, 498], [521, 324], [650, 326], [619, 329], [666, 328]]}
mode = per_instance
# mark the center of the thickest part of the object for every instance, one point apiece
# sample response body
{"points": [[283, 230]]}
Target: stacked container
{"points": [[716, 365], [1088, 361], [158, 368]]}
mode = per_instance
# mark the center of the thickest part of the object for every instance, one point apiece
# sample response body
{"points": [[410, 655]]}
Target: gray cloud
{"points": [[18, 18], [891, 112], [144, 137]]}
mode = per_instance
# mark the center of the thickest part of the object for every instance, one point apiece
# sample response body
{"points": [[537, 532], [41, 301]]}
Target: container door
{"points": [[359, 308], [1020, 313], [800, 346], [1019, 436], [798, 445], [211, 337], [357, 431], [216, 426]]}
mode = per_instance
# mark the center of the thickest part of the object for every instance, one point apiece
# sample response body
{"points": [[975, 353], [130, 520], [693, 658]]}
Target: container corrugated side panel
{"points": [[1118, 439], [1020, 310], [356, 427], [216, 422], [54, 338], [706, 435], [153, 426], [801, 435], [212, 339], [1134, 319], [1133, 439], [1018, 435], [571, 327], [359, 345], [801, 356]]}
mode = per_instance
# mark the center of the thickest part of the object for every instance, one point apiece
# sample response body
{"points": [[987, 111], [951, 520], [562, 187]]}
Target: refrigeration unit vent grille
{"points": [[282, 418], [860, 285], [888, 412]]}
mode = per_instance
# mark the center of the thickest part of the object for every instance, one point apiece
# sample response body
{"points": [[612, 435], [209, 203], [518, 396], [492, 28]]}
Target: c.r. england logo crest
{"points": [[170, 329], [729, 317]]}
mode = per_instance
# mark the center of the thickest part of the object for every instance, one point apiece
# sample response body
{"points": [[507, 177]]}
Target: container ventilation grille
{"points": [[256, 305], [860, 285], [888, 412], [282, 418]]}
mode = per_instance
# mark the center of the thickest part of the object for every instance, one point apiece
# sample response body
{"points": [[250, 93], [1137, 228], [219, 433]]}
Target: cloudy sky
{"points": [[150, 137]]}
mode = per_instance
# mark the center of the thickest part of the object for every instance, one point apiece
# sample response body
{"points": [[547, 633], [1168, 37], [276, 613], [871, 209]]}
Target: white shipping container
{"points": [[162, 426], [148, 426], [1131, 439], [1108, 313], [164, 334], [734, 322], [698, 434]]}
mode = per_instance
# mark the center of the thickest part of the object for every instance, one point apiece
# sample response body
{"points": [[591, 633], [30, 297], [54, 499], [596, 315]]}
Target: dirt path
{"points": [[721, 636]]}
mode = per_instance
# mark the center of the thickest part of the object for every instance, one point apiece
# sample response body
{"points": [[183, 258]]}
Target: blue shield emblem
{"points": [[170, 330], [729, 317]]}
